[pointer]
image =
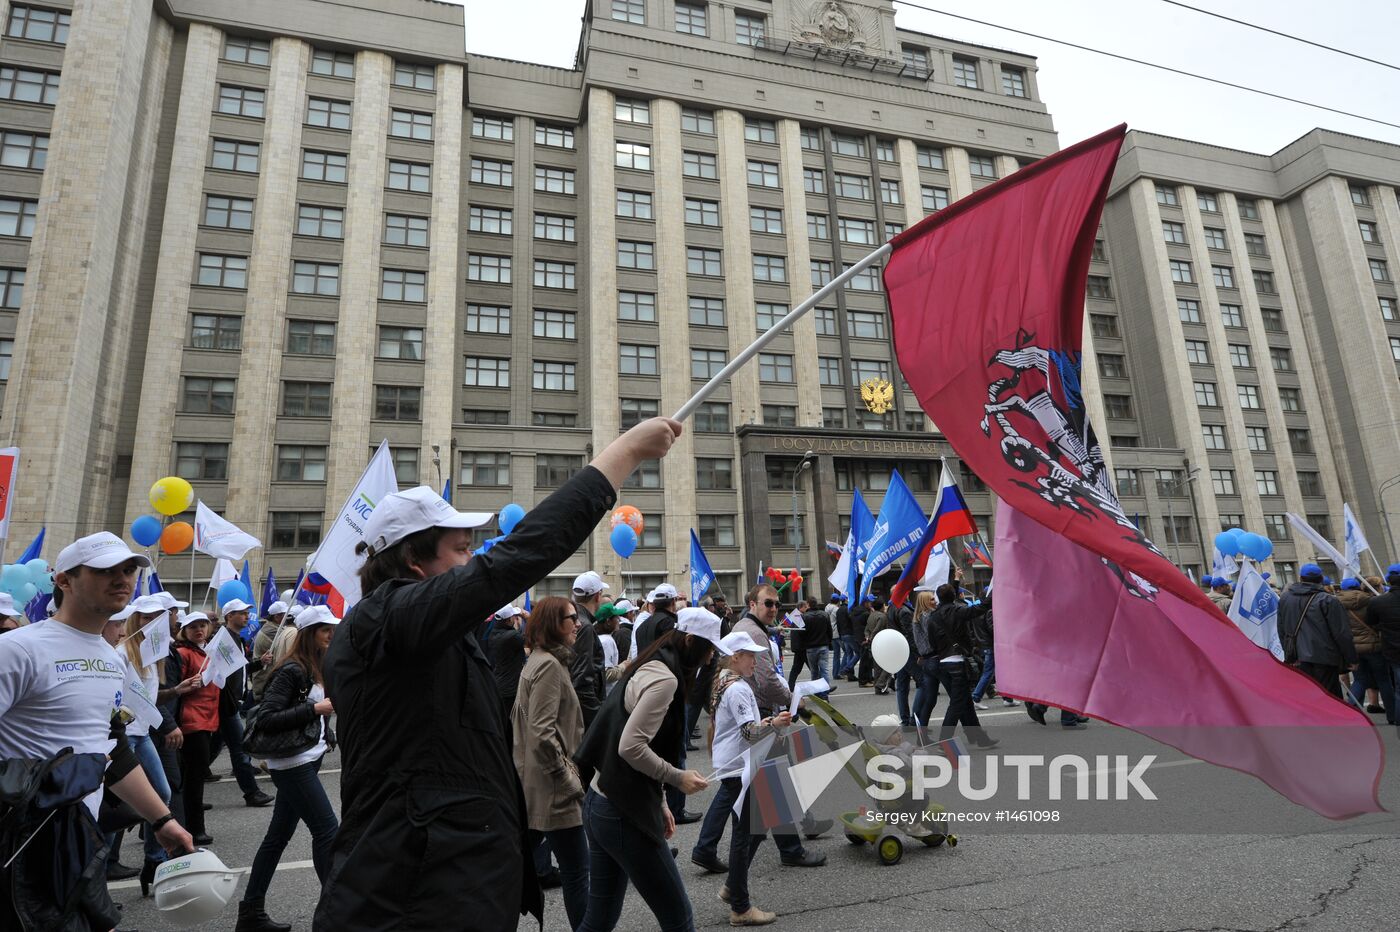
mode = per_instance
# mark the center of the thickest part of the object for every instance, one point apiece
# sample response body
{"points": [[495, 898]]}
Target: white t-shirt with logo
{"points": [[58, 689], [737, 707]]}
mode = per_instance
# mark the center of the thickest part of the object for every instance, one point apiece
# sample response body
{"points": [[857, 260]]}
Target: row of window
{"points": [[750, 28], [1241, 356], [311, 278], [1248, 395], [1208, 201], [304, 337], [965, 71], [714, 417], [214, 395], [236, 213], [247, 51], [1174, 233], [1183, 273], [323, 112], [1170, 483], [243, 156]]}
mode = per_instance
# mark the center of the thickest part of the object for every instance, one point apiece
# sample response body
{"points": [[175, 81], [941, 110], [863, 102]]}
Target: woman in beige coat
{"points": [[548, 725]]}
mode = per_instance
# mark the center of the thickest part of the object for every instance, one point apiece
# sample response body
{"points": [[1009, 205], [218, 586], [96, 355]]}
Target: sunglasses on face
{"points": [[770, 603], [571, 618]]}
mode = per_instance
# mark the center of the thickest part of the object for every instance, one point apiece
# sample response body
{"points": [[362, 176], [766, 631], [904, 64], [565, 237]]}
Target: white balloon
{"points": [[890, 650]]}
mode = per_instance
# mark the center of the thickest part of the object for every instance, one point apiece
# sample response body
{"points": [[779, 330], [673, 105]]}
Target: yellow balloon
{"points": [[171, 495]]}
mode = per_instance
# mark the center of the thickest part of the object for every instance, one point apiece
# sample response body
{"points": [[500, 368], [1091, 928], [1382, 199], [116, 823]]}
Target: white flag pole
{"points": [[767, 337]]}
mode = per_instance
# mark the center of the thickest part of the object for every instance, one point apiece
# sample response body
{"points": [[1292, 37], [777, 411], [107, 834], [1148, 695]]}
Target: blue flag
{"points": [[862, 527], [447, 491], [246, 577], [701, 576], [898, 530], [32, 551], [269, 594], [136, 590], [527, 600], [153, 584]]}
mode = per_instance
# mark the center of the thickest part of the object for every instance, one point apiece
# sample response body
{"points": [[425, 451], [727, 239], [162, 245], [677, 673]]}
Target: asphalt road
{"points": [[1289, 870]]}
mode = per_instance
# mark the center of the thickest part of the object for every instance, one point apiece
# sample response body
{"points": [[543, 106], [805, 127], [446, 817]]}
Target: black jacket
{"points": [[818, 631], [1313, 627], [656, 625], [506, 648], [843, 622], [286, 705], [432, 834], [904, 618], [951, 628], [622, 637], [586, 669], [1383, 614]]}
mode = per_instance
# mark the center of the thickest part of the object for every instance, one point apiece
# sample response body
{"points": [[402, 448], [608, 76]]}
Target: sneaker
{"points": [[710, 864], [212, 777], [1074, 724], [981, 706], [552, 880], [1009, 702], [257, 799], [805, 859], [1374, 708], [754, 917], [1036, 713]]}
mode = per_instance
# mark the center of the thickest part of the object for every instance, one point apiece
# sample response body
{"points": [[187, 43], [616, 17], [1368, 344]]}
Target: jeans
{"points": [[170, 765], [1374, 673], [799, 659], [926, 695], [571, 847], [743, 845], [850, 654], [540, 852], [716, 817], [819, 659], [954, 678], [866, 672], [230, 735], [902, 680], [675, 799], [194, 766], [146, 753], [619, 852], [989, 666], [300, 798]]}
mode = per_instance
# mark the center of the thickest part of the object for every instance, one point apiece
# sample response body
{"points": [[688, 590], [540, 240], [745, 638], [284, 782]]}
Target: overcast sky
{"points": [[1087, 93]]}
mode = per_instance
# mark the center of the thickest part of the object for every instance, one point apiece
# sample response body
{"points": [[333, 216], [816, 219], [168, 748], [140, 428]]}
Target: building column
{"points": [[799, 260], [828, 521], [959, 174], [738, 274], [604, 415]]}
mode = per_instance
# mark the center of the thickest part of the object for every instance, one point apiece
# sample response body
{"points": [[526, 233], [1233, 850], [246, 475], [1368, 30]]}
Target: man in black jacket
{"points": [[1315, 631], [1383, 614], [586, 669], [951, 639], [662, 617], [432, 834], [816, 638]]}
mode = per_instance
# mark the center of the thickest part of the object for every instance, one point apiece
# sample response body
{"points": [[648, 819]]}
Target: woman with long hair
{"points": [[199, 720], [631, 751], [547, 722], [926, 664], [293, 699]]}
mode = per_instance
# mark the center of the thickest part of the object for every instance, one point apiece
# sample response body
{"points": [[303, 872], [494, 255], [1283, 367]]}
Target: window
{"points": [[750, 28], [1112, 366], [1256, 439], [636, 255], [869, 420], [866, 325], [828, 370], [1249, 207], [324, 166], [314, 220], [982, 166], [1266, 481], [333, 64], [1104, 325], [490, 127], [215, 271], [864, 369], [706, 363], [1240, 357], [855, 186], [410, 124], [810, 138], [1166, 195], [1264, 282], [761, 219], [690, 19], [1173, 232], [867, 279], [1215, 238], [28, 86], [1205, 394], [779, 415], [482, 268], [311, 337], [768, 315], [636, 305], [635, 359], [554, 469], [1291, 399], [553, 227], [554, 274], [826, 320], [627, 110], [300, 463], [216, 332], [1213, 436], [1254, 245], [1013, 81], [1300, 440], [318, 278], [39, 24], [419, 77], [647, 475], [550, 376], [486, 372], [761, 131], [230, 155], [1099, 253], [400, 343], [884, 151], [398, 403], [892, 230], [697, 121], [1281, 358], [201, 460], [230, 213], [853, 146], [296, 530], [553, 419], [488, 318], [700, 261], [1189, 310], [331, 114], [1222, 481], [633, 411], [929, 157], [834, 418], [481, 468], [246, 51], [1128, 481], [1310, 484], [821, 272], [965, 71], [241, 101], [1197, 352], [1207, 201], [417, 177], [1179, 528], [651, 536], [769, 269], [403, 285], [934, 198], [1231, 315], [633, 155], [404, 230], [1181, 271], [1169, 483], [1098, 286], [1380, 272], [483, 171], [554, 180], [1360, 196], [634, 204], [763, 174], [1395, 348], [915, 59], [1369, 232], [889, 192], [207, 396], [775, 367], [699, 165], [716, 530], [1118, 405], [706, 213], [1249, 397], [711, 417], [306, 399], [706, 312]]}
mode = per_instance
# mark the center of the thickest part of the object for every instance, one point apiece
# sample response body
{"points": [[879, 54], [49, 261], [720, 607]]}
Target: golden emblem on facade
{"points": [[878, 395]]}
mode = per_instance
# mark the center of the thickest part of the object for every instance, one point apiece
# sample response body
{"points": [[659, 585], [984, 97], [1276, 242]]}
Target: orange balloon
{"points": [[628, 515], [176, 537]]}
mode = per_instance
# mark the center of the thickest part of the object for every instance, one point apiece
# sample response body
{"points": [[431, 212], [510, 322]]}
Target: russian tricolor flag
{"points": [[951, 518]]}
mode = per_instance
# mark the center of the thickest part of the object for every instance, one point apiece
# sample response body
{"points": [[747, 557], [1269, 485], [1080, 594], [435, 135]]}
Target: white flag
{"points": [[222, 658], [1222, 564], [1320, 543], [224, 571], [840, 577], [336, 559], [155, 640], [939, 565], [1355, 541], [140, 703], [794, 620], [219, 538], [1254, 609]]}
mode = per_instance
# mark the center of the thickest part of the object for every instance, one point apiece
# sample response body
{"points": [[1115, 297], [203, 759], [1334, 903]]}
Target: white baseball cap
{"points": [[235, 605], [404, 513], [663, 592], [625, 605], [736, 641], [702, 623], [317, 615], [295, 609], [508, 611], [589, 583], [277, 608], [7, 607], [168, 601], [146, 605], [101, 551], [191, 618]]}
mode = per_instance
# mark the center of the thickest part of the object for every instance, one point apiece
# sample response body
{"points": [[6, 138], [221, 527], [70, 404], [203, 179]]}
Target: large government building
{"points": [[244, 243]]}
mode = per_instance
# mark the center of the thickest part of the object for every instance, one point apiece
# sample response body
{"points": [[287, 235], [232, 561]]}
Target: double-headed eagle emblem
{"points": [[878, 395]]}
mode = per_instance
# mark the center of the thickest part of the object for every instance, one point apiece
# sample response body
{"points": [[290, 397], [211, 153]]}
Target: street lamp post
{"points": [[1172, 488], [796, 536], [1380, 499]]}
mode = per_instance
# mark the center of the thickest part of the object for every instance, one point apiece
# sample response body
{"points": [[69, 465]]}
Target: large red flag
{"points": [[987, 303]]}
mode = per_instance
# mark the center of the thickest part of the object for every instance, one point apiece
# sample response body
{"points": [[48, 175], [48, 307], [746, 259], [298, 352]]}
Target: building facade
{"points": [[244, 244]]}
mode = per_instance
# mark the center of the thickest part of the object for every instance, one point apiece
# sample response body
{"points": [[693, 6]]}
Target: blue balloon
{"points": [[510, 516], [233, 589], [624, 540], [1256, 546], [13, 578], [145, 530], [1224, 541]]}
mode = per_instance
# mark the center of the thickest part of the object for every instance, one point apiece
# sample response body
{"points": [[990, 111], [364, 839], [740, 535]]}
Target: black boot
{"points": [[148, 874], [253, 918]]}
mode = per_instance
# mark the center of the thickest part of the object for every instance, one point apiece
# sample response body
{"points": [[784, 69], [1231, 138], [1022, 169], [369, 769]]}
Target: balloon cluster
{"points": [[1237, 541], [175, 537], [783, 579], [627, 524], [230, 590], [23, 581]]}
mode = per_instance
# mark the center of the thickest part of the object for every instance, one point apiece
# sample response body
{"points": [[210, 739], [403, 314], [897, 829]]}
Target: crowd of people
{"points": [[489, 753]]}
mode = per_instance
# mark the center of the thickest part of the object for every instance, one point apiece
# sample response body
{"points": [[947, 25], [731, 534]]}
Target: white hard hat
{"points": [[193, 888]]}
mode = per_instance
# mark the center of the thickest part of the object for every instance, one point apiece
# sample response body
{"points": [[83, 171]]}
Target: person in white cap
{"points": [[10, 616], [422, 740], [662, 619], [630, 753], [61, 687], [261, 664], [588, 661], [234, 618], [504, 643], [626, 626]]}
